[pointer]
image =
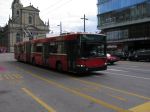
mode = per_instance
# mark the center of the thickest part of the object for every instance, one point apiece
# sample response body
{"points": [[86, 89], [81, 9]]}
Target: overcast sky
{"points": [[68, 12]]}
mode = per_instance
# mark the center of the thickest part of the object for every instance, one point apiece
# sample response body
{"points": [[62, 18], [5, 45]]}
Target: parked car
{"points": [[140, 55], [111, 59], [121, 55]]}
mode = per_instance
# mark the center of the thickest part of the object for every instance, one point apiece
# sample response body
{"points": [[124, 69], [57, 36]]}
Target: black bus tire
{"points": [[18, 58], [33, 61]]}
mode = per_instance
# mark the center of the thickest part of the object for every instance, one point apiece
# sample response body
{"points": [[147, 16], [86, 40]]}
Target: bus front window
{"points": [[92, 50]]}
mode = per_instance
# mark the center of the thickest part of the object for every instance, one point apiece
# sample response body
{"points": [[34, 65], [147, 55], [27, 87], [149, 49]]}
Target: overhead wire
{"points": [[52, 5], [57, 7]]}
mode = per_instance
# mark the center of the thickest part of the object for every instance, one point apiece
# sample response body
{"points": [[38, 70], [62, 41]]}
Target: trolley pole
{"points": [[60, 25], [84, 18]]}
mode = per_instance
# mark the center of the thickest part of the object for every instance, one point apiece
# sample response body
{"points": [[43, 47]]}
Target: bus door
{"points": [[28, 51], [45, 53], [72, 51]]}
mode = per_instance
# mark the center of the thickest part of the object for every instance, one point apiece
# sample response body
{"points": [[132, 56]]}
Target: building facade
{"points": [[126, 23], [3, 40], [25, 24]]}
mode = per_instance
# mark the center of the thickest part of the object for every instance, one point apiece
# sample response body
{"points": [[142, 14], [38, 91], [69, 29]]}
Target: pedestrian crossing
{"points": [[9, 76]]}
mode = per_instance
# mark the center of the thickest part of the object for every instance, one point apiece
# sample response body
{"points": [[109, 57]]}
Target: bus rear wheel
{"points": [[33, 62]]}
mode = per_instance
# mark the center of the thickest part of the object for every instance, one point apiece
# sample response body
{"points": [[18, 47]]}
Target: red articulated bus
{"points": [[78, 52]]}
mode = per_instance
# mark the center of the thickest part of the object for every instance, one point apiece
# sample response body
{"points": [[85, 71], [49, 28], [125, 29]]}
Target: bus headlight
{"points": [[80, 65]]}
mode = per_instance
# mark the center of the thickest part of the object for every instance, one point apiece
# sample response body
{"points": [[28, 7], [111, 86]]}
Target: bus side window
{"points": [[23, 49], [61, 48], [33, 48], [20, 49], [53, 47], [39, 47]]}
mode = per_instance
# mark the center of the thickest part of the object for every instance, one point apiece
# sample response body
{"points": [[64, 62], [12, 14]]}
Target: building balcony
{"points": [[125, 23], [128, 40]]}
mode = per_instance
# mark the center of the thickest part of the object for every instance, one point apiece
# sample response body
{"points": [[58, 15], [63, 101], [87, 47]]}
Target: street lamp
{"points": [[84, 18], [60, 25]]}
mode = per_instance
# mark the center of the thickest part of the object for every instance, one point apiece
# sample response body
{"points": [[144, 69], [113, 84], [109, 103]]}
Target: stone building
{"points": [[2, 40], [25, 24]]}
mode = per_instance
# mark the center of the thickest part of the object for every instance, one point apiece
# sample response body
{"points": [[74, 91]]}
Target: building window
{"points": [[127, 14], [117, 35], [30, 19], [17, 12]]}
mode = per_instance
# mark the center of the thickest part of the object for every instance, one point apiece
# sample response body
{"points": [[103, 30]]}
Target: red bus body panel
{"points": [[37, 58], [92, 62], [62, 58]]}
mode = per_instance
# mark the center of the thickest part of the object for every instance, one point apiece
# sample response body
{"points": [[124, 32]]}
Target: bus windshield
{"points": [[92, 46]]}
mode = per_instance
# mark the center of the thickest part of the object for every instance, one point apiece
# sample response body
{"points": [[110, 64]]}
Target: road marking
{"points": [[145, 70], [129, 76], [141, 108], [86, 89], [6, 76], [47, 107], [18, 76], [111, 88], [117, 70], [10, 76], [135, 66], [118, 97], [108, 87], [90, 98]]}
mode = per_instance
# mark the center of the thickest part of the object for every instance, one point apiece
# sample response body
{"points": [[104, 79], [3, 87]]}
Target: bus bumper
{"points": [[86, 69]]}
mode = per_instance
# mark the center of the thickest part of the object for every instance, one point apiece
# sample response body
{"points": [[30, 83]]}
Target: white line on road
{"points": [[135, 66], [117, 70], [128, 76], [145, 70]]}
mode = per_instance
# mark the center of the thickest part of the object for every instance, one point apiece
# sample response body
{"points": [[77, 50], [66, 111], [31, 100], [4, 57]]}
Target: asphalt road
{"points": [[124, 87]]}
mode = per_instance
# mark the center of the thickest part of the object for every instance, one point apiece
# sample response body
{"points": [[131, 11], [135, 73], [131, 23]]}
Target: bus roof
{"points": [[70, 36]]}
